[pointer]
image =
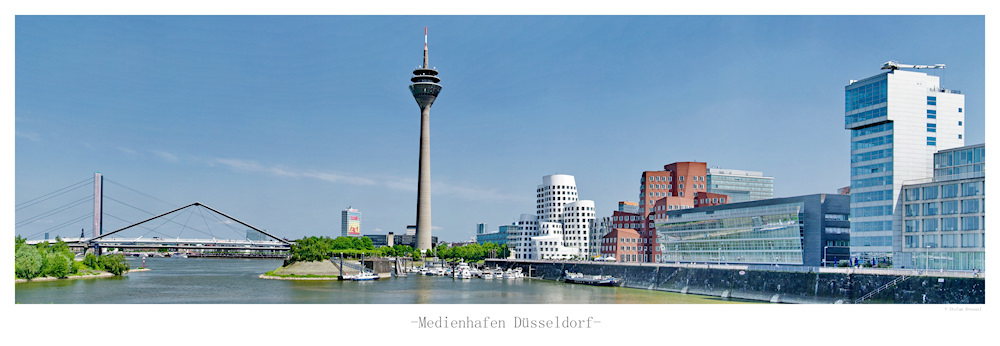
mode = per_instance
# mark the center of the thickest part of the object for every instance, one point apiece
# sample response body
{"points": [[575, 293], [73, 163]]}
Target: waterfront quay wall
{"points": [[774, 284]]}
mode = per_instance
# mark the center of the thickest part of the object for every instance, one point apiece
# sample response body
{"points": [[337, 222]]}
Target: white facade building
{"points": [[560, 228], [898, 120]]}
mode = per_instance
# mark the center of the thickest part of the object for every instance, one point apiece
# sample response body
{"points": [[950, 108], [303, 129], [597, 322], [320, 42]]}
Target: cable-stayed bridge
{"points": [[191, 230]]}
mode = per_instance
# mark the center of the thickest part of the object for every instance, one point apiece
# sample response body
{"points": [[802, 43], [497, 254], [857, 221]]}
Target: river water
{"points": [[235, 281]]}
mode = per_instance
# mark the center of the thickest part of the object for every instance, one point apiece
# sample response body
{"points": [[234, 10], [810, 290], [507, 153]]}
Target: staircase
{"points": [[880, 289]]}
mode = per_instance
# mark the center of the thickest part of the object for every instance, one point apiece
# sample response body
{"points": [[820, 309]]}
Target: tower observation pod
{"points": [[425, 89]]}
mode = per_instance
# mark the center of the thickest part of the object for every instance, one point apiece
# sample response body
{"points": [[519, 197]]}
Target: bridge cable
{"points": [[204, 219], [39, 199], [137, 208], [45, 195], [185, 225], [237, 232], [139, 192], [53, 211], [144, 234], [80, 218]]}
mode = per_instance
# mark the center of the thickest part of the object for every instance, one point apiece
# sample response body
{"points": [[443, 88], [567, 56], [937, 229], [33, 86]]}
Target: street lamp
{"points": [[927, 259]]}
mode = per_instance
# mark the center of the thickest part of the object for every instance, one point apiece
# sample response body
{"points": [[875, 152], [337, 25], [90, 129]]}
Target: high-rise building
{"points": [[739, 185], [944, 220], [350, 222], [425, 89], [898, 120]]}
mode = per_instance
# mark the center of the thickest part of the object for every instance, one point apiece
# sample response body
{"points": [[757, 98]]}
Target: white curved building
{"points": [[561, 225]]}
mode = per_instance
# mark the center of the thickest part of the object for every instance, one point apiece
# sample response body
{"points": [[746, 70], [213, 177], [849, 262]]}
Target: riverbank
{"points": [[777, 284], [88, 275], [315, 270]]}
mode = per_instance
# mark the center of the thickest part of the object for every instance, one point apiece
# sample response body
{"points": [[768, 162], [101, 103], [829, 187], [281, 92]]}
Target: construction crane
{"points": [[895, 65]]}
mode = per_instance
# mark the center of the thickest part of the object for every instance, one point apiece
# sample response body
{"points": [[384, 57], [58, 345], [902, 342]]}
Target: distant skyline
{"points": [[285, 121]]}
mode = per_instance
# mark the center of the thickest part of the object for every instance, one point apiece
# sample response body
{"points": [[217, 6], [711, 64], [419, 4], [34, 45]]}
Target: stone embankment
{"points": [[779, 285]]}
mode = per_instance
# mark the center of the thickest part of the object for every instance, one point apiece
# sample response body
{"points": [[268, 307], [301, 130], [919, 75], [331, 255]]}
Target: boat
{"points": [[487, 275], [363, 276], [595, 280], [509, 274], [462, 271]]}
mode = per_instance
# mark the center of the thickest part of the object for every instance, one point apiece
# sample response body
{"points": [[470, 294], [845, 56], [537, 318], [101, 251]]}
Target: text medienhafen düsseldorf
{"points": [[486, 322]]}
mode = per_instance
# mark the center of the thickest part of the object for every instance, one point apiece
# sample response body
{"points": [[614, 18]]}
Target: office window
{"points": [[931, 140], [930, 225], [931, 114], [949, 240], [931, 127], [949, 191], [949, 224], [931, 100], [970, 223], [949, 207], [930, 192], [930, 209], [911, 226], [970, 206], [971, 189], [911, 194], [970, 240], [910, 210], [930, 241]]}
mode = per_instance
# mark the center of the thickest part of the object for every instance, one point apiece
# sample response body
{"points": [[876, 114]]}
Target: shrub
{"points": [[91, 261], [55, 265], [114, 264], [27, 262]]}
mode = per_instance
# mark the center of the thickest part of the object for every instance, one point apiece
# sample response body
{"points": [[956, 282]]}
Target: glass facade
{"points": [[740, 186], [762, 235], [951, 237]]}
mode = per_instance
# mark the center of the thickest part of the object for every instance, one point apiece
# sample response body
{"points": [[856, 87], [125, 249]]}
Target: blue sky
{"points": [[283, 122]]}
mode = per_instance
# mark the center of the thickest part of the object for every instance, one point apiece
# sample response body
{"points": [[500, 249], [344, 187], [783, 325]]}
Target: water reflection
{"points": [[235, 281]]}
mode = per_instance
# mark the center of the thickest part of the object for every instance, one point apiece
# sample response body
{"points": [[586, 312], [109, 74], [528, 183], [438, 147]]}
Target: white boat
{"points": [[596, 280], [509, 274], [487, 275], [462, 271], [363, 276]]}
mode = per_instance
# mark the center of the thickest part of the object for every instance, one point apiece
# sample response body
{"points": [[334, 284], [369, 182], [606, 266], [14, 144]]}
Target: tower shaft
{"points": [[424, 182]]}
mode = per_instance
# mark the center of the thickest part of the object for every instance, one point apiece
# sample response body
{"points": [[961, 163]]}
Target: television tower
{"points": [[425, 89]]}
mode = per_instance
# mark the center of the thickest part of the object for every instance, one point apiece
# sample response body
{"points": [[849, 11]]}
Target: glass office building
{"points": [[740, 186], [805, 230], [898, 120], [944, 219]]}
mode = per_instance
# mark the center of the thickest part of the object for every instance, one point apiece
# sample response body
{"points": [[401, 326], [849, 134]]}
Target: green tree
{"points": [[114, 264], [18, 241], [27, 262], [90, 260], [55, 264]]}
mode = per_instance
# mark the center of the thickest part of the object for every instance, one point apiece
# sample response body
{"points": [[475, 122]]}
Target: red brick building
{"points": [[680, 185], [625, 245]]}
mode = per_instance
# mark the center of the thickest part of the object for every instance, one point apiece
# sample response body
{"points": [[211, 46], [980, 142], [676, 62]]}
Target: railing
{"points": [[880, 289], [951, 177]]}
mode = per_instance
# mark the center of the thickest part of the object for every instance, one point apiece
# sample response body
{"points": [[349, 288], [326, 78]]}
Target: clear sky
{"points": [[283, 122]]}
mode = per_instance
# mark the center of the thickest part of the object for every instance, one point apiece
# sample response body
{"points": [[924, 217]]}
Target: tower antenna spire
{"points": [[425, 47]]}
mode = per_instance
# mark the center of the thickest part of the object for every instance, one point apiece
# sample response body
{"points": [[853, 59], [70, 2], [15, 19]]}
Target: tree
{"points": [[27, 262], [55, 264], [114, 264], [90, 260]]}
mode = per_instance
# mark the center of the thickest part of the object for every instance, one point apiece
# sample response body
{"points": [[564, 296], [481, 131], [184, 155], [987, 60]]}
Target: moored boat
{"points": [[595, 280]]}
